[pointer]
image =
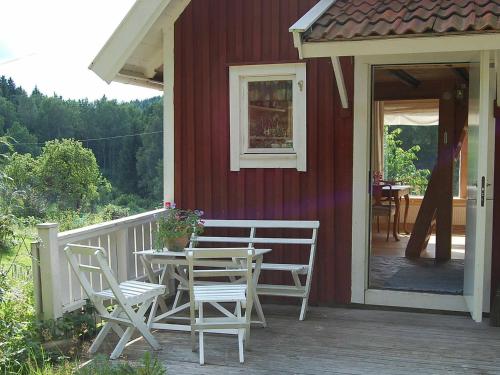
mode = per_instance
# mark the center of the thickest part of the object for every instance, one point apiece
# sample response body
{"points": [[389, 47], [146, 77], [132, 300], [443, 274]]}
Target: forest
{"points": [[124, 137]]}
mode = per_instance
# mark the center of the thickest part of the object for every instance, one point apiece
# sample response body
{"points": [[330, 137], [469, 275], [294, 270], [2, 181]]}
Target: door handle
{"points": [[483, 183]]}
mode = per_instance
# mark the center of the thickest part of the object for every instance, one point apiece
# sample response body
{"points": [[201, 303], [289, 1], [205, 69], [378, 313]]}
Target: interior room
{"points": [[419, 178]]}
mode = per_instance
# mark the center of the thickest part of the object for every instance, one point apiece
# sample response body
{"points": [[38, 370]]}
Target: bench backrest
{"points": [[254, 238]]}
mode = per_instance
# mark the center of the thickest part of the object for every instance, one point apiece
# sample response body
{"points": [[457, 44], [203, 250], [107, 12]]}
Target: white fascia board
{"points": [[403, 45], [138, 81], [308, 19], [131, 31]]}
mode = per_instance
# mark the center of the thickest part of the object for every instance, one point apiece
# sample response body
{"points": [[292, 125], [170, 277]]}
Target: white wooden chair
{"points": [[132, 298], [201, 292]]}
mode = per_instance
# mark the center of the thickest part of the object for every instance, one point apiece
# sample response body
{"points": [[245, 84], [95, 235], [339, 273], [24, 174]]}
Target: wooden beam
{"points": [[445, 162], [339, 77], [462, 74], [438, 198], [404, 77]]}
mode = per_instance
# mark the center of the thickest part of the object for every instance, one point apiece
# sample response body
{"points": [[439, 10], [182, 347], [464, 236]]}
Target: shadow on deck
{"points": [[340, 341]]}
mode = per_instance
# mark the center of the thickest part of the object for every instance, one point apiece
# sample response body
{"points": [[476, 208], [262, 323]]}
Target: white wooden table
{"points": [[175, 266]]}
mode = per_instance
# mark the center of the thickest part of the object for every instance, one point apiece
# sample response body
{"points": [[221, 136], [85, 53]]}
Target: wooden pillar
{"points": [[445, 162]]}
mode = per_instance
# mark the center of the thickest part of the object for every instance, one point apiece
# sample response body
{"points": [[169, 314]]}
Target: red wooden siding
{"points": [[495, 251], [209, 37]]}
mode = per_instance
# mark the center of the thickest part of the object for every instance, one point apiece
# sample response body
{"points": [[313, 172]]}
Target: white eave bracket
{"points": [[339, 77]]}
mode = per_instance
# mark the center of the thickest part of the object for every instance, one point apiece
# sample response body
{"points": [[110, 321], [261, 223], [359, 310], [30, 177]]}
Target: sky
{"points": [[50, 44]]}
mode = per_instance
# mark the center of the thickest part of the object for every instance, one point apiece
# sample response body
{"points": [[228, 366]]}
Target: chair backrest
{"points": [[379, 198], [74, 254], [220, 262]]}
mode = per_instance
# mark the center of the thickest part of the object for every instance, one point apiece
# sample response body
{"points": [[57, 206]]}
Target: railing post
{"points": [[49, 271], [35, 273], [122, 255]]}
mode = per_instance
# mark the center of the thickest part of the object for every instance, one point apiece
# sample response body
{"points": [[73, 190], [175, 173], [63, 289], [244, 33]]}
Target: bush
{"points": [[113, 212]]}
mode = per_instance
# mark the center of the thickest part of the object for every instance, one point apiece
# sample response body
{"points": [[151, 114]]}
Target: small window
{"points": [[268, 116]]}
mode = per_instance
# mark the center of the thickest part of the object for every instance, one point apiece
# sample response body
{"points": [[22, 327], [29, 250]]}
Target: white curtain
{"points": [[378, 138], [411, 112]]}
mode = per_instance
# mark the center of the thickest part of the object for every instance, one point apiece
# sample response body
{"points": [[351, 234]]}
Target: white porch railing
{"points": [[57, 289]]}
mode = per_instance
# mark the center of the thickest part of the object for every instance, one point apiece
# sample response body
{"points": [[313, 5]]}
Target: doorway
{"points": [[477, 262], [418, 169]]}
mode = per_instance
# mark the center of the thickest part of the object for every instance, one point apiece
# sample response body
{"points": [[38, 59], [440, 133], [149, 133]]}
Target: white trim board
{"points": [[360, 210], [402, 45], [429, 301]]}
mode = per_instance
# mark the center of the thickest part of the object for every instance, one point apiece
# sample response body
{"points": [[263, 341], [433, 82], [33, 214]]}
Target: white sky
{"points": [[51, 43]]}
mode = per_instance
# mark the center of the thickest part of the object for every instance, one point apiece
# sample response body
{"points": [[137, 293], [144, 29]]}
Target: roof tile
{"points": [[361, 19]]}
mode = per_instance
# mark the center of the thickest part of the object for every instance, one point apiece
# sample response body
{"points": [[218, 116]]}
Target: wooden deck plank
{"points": [[341, 341]]}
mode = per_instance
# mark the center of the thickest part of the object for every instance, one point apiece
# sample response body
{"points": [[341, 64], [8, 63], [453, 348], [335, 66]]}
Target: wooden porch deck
{"points": [[341, 341]]}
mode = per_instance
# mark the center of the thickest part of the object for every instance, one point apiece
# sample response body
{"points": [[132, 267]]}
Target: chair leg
{"points": [[378, 224], [137, 319], [388, 226], [241, 334], [200, 337], [121, 344], [303, 310], [178, 296], [105, 330]]}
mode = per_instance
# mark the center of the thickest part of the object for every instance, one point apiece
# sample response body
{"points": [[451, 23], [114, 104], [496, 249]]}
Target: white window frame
{"points": [[241, 155]]}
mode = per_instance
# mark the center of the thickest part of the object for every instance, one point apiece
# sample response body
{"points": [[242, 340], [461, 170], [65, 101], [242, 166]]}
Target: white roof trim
{"points": [[311, 16], [127, 37], [403, 45]]}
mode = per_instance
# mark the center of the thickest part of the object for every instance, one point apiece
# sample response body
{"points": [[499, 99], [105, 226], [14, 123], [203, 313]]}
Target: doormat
{"points": [[426, 275]]}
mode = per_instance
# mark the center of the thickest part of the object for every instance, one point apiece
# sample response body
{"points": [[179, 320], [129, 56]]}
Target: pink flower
{"points": [[168, 205]]}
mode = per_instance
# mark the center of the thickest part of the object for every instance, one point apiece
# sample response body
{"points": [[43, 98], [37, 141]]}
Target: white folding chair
{"points": [[132, 298], [206, 263]]}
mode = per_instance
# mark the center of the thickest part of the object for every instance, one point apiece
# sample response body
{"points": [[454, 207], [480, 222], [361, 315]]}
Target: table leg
{"points": [[396, 217], [154, 280], [256, 301], [407, 205]]}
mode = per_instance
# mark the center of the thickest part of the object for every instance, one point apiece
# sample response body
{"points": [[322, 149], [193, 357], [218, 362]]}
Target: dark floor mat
{"points": [[420, 275]]}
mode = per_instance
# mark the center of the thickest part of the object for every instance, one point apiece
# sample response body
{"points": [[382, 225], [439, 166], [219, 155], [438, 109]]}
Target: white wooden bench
{"points": [[254, 239]]}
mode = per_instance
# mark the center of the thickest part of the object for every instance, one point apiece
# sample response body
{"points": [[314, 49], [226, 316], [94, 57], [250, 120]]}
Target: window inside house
{"points": [[268, 116]]}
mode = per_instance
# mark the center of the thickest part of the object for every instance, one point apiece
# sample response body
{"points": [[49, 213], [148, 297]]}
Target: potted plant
{"points": [[176, 227]]}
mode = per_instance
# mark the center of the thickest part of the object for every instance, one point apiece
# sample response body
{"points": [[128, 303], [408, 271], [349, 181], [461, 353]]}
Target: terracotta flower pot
{"points": [[177, 243]]}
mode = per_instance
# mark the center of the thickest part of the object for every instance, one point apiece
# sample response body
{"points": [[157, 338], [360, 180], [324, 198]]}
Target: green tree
{"points": [[400, 163], [22, 170], [69, 174], [23, 141]]}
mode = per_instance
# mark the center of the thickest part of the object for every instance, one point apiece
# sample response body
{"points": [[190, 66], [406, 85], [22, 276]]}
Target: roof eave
{"points": [[127, 36]]}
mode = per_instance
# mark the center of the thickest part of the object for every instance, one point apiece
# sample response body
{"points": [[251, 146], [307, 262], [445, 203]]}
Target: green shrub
{"points": [[113, 212]]}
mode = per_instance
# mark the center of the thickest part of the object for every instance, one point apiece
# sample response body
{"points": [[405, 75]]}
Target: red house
{"points": [[280, 109]]}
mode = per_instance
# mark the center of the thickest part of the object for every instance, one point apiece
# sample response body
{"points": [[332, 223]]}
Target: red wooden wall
{"points": [[495, 251], [209, 37]]}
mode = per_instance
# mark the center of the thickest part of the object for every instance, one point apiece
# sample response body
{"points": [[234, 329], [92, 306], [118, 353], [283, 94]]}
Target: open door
{"points": [[478, 182]]}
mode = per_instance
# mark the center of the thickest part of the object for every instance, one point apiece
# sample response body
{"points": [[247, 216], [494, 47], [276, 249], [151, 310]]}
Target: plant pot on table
{"points": [[176, 243]]}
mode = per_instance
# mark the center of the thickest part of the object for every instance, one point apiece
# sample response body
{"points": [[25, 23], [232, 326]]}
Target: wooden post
{"points": [[37, 283], [122, 255], [446, 149], [49, 271]]}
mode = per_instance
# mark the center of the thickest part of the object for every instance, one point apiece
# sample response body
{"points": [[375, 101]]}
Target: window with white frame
{"points": [[268, 116]]}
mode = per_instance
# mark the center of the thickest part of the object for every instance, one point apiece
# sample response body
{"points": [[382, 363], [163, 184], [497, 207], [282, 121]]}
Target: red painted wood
{"points": [[212, 35], [495, 251]]}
